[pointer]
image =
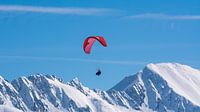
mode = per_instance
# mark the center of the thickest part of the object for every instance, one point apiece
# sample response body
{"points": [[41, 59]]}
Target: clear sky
{"points": [[46, 36]]}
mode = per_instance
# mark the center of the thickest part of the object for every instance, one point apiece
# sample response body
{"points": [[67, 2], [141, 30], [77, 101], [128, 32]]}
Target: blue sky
{"points": [[46, 36]]}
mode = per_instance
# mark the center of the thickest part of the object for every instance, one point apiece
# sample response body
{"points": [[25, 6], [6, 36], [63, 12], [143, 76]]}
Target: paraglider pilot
{"points": [[98, 73]]}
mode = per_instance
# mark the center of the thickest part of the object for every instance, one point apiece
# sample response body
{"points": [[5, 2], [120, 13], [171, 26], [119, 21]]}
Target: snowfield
{"points": [[183, 79], [4, 108], [162, 87]]}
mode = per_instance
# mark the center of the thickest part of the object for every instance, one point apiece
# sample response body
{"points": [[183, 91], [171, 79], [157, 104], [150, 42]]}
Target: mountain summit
{"points": [[159, 87], [162, 87]]}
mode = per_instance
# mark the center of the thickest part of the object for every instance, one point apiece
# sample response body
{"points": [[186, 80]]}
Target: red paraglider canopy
{"points": [[89, 41]]}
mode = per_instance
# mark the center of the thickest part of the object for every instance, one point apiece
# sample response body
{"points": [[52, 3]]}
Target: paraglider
{"points": [[98, 73], [89, 41]]}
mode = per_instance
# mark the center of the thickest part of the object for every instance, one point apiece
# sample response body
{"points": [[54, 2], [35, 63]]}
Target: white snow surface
{"points": [[5, 108], [92, 100], [183, 79]]}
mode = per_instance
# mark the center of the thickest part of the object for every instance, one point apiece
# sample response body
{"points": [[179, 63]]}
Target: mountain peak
{"points": [[164, 65], [183, 79], [76, 80], [160, 68], [77, 84], [44, 76]]}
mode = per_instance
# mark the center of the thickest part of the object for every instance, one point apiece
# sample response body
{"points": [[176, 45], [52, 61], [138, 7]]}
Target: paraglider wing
{"points": [[90, 41]]}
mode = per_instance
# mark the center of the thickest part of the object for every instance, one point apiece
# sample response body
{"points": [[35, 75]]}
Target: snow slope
{"points": [[183, 79], [49, 93], [161, 87], [4, 108], [9, 96]]}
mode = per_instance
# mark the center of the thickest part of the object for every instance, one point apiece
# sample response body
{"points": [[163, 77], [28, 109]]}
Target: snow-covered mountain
{"points": [[161, 87], [158, 87]]}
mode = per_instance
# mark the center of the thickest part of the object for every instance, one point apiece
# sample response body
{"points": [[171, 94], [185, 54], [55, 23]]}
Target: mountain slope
{"points": [[9, 96], [163, 87], [183, 79], [49, 93], [4, 108], [158, 87]]}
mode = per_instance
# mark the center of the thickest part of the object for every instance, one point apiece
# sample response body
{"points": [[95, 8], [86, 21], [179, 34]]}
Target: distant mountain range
{"points": [[163, 87]]}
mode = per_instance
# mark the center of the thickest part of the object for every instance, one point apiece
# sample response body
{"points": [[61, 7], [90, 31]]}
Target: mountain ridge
{"points": [[151, 89]]}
